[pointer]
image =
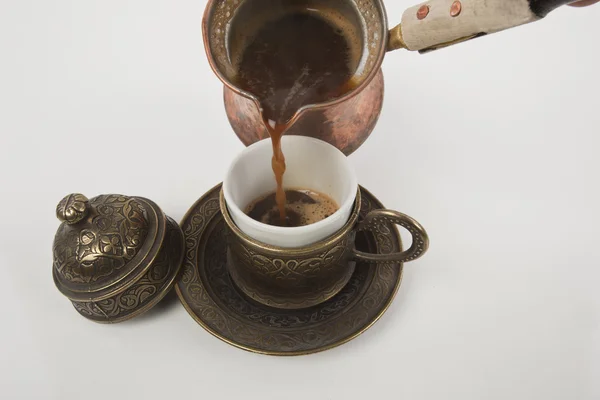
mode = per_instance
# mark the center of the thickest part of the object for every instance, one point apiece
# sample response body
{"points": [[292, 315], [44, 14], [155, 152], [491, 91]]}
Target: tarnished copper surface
{"points": [[345, 122], [345, 125], [455, 9], [423, 11]]}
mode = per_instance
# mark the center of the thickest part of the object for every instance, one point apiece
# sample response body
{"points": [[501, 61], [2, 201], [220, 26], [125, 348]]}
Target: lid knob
{"points": [[72, 209]]}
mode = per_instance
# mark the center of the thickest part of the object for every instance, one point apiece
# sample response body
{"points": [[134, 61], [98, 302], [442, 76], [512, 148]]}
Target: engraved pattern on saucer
{"points": [[209, 295]]}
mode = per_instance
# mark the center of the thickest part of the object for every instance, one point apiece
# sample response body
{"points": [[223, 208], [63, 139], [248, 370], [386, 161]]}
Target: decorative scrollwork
{"points": [[290, 268], [291, 282], [97, 247], [146, 291], [215, 302]]}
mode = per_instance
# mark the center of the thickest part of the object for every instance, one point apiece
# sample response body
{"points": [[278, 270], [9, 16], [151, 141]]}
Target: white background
{"points": [[492, 145]]}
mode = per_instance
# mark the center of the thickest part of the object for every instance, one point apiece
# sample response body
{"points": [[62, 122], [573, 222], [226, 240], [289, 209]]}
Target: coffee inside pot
{"points": [[289, 54]]}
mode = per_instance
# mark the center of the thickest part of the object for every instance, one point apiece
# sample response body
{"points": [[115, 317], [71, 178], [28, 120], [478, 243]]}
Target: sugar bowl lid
{"points": [[115, 256]]}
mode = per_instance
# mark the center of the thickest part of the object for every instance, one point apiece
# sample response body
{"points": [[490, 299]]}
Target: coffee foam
{"points": [[311, 213], [302, 212]]}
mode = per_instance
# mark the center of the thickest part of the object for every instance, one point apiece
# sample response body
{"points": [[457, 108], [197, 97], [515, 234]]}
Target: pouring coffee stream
{"points": [[295, 59], [326, 82], [276, 131]]}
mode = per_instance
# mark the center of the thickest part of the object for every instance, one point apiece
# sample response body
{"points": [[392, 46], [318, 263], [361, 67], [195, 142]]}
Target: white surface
{"points": [[310, 164], [492, 145]]}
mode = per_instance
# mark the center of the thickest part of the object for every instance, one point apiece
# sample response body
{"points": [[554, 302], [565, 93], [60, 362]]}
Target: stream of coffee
{"points": [[292, 61]]}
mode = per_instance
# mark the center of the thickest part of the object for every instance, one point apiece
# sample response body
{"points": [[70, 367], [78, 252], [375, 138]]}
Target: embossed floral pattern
{"points": [[145, 292], [288, 281], [212, 299], [93, 249]]}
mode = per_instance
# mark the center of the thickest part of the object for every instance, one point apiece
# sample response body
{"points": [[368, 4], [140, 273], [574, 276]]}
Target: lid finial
{"points": [[72, 209]]}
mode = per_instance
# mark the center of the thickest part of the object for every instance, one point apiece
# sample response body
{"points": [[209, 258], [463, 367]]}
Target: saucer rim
{"points": [[320, 349]]}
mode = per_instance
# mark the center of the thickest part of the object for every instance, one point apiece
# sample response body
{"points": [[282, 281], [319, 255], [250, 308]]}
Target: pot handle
{"points": [[377, 222], [441, 23]]}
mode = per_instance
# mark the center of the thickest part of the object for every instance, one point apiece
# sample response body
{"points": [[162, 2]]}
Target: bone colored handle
{"points": [[438, 23]]}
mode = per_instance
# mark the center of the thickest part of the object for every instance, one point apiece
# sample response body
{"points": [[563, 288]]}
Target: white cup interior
{"points": [[311, 164]]}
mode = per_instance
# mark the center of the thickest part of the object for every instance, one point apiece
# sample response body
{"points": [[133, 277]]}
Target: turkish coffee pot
{"points": [[348, 120]]}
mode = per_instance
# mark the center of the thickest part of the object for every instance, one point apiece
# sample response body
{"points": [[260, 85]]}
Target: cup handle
{"points": [[376, 222]]}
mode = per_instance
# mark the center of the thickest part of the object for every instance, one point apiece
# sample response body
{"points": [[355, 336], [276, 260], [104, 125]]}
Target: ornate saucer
{"points": [[211, 298]]}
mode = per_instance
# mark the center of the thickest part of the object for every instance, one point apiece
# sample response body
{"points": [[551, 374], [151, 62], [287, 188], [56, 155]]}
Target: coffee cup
{"points": [[299, 267]]}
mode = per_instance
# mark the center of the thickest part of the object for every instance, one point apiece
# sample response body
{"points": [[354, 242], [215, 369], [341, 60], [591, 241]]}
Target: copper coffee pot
{"points": [[347, 121]]}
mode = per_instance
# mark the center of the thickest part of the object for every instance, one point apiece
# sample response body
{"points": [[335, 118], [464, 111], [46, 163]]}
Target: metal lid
{"points": [[104, 244]]}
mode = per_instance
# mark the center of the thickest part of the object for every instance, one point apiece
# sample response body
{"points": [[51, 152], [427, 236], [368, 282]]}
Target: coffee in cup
{"points": [[291, 54], [301, 266], [303, 207]]}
